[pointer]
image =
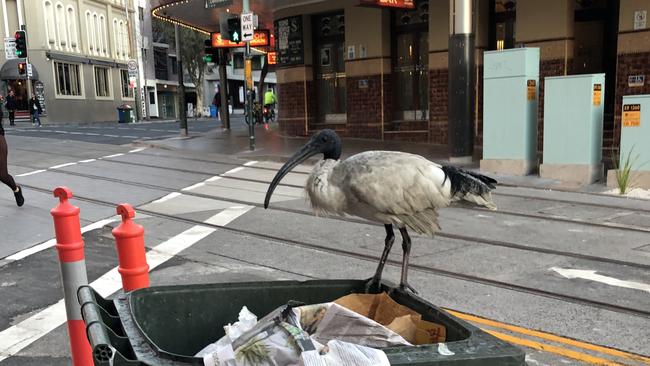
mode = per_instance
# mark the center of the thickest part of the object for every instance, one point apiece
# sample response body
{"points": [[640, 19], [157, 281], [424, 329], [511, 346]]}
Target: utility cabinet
{"points": [[635, 140], [510, 97], [573, 128]]}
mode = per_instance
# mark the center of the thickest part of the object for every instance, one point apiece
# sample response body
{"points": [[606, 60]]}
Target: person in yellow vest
{"points": [[269, 106]]}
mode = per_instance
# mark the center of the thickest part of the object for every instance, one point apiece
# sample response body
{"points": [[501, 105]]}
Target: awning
{"points": [[9, 71]]}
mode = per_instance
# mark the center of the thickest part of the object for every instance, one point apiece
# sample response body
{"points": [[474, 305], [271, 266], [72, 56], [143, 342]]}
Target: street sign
{"points": [[10, 48], [132, 65], [29, 71], [211, 4], [247, 26], [261, 38]]}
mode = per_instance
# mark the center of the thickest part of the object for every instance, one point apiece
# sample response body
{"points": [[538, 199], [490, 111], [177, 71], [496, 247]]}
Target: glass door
{"points": [[329, 68]]}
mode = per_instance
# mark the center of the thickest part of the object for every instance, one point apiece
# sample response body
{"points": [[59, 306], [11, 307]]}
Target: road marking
{"points": [[129, 137], [235, 170], [57, 131], [548, 336], [62, 165], [17, 337], [591, 275], [167, 197], [250, 163], [91, 134], [52, 242], [87, 160], [553, 349], [213, 179], [31, 173], [197, 185], [76, 133], [111, 135], [112, 156], [137, 150]]}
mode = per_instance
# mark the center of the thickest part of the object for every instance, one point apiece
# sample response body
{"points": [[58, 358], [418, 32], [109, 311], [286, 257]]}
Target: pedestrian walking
{"points": [[217, 103], [11, 107], [5, 177], [35, 110]]}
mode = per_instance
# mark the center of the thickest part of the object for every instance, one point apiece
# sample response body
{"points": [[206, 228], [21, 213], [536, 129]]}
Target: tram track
{"points": [[371, 258]]}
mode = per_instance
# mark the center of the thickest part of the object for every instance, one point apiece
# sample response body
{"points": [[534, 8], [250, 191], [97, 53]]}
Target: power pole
{"points": [[181, 84], [223, 90], [248, 77], [133, 53]]}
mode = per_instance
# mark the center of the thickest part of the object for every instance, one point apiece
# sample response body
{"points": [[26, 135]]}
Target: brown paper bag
{"points": [[428, 332]]}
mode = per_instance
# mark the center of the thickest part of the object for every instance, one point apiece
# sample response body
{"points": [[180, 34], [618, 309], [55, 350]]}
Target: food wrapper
{"points": [[398, 318]]}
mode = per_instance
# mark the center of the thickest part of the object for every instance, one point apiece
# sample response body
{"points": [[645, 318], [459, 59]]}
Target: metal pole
{"points": [[249, 88], [461, 81], [133, 53], [181, 84], [223, 89]]}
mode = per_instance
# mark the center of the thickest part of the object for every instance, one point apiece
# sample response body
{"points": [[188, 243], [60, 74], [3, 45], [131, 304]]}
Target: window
{"points": [[72, 29], [68, 81], [127, 92], [174, 62], [102, 81], [90, 33], [125, 40], [116, 39], [502, 24], [50, 28], [62, 35], [160, 63]]}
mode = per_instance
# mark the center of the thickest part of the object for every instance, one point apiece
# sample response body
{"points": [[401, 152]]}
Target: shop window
{"points": [[102, 82], [329, 70], [68, 82], [411, 62], [127, 92], [502, 24]]}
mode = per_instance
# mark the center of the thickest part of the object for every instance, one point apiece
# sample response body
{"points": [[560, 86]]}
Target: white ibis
{"points": [[393, 188]]}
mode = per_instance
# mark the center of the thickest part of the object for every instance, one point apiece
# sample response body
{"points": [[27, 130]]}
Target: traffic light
{"points": [[21, 44], [210, 54], [234, 29], [22, 68]]}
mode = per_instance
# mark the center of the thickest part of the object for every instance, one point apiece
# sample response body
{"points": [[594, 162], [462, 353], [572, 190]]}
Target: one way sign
{"points": [[247, 26]]}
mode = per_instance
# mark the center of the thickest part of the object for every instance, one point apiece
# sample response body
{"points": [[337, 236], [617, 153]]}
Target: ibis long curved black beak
{"points": [[303, 154]]}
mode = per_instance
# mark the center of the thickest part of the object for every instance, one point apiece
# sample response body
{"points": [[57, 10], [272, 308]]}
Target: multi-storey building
{"points": [[79, 51]]}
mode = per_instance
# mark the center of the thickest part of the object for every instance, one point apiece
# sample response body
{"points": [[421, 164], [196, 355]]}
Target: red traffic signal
{"points": [[22, 68]]}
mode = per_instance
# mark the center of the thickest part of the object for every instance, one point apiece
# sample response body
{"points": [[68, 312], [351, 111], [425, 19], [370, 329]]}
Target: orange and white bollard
{"points": [[129, 240], [70, 247]]}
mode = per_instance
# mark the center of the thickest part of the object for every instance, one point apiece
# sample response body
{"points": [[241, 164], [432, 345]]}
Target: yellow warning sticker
{"points": [[631, 115], [531, 91], [598, 94]]}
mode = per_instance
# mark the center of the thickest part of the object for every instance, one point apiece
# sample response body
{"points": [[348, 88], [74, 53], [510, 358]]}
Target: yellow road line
{"points": [[553, 349], [550, 337]]}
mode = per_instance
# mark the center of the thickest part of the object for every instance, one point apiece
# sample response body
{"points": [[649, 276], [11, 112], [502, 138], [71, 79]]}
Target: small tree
{"points": [[191, 48]]}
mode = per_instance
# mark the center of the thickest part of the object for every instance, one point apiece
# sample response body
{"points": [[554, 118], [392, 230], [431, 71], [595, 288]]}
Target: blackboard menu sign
{"points": [[289, 42], [39, 90]]}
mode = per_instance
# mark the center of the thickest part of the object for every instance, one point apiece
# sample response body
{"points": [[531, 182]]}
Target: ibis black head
{"points": [[325, 142]]}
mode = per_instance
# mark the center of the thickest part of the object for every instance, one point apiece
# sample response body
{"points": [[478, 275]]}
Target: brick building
{"points": [[373, 69]]}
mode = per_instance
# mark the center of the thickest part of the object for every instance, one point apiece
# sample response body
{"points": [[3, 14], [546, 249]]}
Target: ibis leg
{"points": [[388, 244], [406, 247]]}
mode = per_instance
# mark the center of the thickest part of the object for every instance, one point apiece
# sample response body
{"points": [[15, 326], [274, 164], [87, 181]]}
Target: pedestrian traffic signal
{"points": [[22, 68], [21, 44], [210, 54], [234, 29]]}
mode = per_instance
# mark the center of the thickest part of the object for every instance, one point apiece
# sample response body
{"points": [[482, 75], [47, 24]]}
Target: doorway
{"points": [[20, 89], [329, 70]]}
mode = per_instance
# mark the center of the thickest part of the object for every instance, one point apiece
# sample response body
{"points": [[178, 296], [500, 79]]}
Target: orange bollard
{"points": [[70, 247], [129, 240]]}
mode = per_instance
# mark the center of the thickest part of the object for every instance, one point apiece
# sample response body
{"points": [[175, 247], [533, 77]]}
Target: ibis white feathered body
{"points": [[388, 187]]}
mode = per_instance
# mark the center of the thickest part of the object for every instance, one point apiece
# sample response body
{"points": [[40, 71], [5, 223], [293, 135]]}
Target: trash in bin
{"points": [[125, 113], [168, 325]]}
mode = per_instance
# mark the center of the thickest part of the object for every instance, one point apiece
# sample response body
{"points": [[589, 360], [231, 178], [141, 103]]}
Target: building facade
{"points": [[79, 52], [382, 72]]}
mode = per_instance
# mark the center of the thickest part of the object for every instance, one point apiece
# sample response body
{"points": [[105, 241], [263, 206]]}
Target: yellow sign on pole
{"points": [[598, 94], [248, 73], [631, 115]]}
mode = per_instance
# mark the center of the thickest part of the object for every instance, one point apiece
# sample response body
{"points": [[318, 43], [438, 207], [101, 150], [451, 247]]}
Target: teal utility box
{"points": [[510, 97], [573, 128], [635, 140]]}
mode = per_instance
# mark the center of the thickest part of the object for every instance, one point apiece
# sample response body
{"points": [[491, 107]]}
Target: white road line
{"points": [[17, 337], [250, 163], [62, 165], [112, 156], [111, 135], [197, 185], [130, 137], [215, 178], [52, 242], [91, 134], [167, 197], [61, 131], [31, 173], [76, 133], [235, 170], [87, 160], [137, 150]]}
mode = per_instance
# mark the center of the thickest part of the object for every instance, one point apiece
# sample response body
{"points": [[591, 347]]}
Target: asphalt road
{"points": [[499, 266]]}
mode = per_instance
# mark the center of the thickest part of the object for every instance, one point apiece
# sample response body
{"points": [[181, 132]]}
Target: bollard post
{"points": [[70, 247], [129, 240]]}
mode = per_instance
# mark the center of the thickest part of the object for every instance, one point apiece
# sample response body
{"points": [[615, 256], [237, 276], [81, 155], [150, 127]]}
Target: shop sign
{"points": [[272, 57], [260, 39], [531, 90], [597, 98], [289, 43], [635, 80], [631, 115], [403, 4]]}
